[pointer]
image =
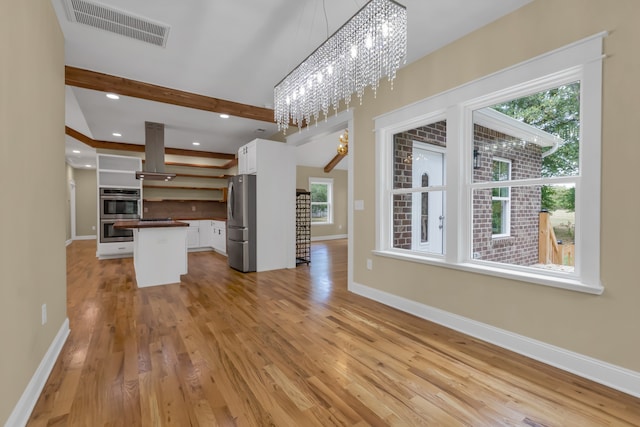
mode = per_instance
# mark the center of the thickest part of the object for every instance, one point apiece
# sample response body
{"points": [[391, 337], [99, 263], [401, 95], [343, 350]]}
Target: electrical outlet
{"points": [[369, 264], [340, 227], [93, 227], [44, 314], [193, 208]]}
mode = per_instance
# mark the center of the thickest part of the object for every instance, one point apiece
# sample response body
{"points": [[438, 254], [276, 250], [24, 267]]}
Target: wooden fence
{"points": [[549, 250]]}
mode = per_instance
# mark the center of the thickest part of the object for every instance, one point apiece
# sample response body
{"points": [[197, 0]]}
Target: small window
{"points": [[321, 200], [501, 199]]}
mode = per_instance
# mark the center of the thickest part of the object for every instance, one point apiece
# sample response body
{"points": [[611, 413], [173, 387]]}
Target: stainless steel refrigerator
{"points": [[241, 222]]}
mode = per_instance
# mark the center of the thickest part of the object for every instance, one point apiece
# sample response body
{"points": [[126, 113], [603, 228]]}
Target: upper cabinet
{"points": [[247, 159], [118, 171]]}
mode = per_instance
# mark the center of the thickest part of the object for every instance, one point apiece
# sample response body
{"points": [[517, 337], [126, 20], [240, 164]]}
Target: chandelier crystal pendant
{"points": [[371, 45]]}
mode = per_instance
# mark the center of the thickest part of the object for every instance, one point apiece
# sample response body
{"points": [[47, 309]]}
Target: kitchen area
{"points": [[201, 205]]}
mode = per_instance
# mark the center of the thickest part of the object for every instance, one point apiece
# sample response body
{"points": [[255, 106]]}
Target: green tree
{"points": [[555, 111]]}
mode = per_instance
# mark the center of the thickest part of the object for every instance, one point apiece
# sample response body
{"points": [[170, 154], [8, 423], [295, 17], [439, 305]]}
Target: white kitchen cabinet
{"points": [[247, 160], [115, 250], [193, 234], [206, 234], [118, 171], [220, 236]]}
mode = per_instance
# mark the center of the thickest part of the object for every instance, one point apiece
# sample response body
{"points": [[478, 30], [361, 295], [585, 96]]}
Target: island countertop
{"points": [[135, 223]]}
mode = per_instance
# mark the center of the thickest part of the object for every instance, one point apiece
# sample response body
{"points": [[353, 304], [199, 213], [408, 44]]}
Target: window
{"points": [[501, 199], [418, 178], [534, 128], [321, 200]]}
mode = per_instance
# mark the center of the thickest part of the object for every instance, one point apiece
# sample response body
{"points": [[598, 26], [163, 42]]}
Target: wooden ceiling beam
{"points": [[332, 164], [123, 146], [106, 83]]}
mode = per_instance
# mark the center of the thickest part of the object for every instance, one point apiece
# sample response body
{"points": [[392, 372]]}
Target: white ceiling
{"points": [[233, 50]]}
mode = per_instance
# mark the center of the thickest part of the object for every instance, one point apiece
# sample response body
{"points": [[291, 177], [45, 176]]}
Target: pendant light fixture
{"points": [[371, 45]]}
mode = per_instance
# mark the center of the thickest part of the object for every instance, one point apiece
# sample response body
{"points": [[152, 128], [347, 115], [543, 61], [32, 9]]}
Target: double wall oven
{"points": [[117, 204]]}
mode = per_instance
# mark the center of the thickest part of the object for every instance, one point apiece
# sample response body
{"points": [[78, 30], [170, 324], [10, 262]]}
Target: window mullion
{"points": [[455, 177]]}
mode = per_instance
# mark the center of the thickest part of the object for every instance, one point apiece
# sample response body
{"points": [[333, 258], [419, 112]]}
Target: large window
{"points": [[534, 129], [321, 200]]}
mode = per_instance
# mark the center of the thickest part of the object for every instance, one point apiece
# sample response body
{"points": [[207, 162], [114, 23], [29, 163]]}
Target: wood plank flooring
{"points": [[288, 348]]}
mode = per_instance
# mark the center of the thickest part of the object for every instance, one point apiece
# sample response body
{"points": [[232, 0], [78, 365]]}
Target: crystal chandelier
{"points": [[371, 45]]}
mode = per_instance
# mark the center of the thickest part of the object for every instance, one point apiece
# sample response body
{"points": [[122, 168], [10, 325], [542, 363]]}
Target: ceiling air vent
{"points": [[117, 21]]}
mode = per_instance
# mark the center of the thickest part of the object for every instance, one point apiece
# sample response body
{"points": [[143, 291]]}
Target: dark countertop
{"points": [[134, 223]]}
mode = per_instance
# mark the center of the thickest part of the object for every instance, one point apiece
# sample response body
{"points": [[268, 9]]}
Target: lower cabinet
{"points": [[207, 234], [193, 234], [220, 236], [115, 250]]}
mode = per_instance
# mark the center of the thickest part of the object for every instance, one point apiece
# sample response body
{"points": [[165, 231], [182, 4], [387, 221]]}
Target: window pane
{"points": [[498, 217], [416, 152], [539, 133], [418, 221], [319, 212], [541, 227], [319, 192]]}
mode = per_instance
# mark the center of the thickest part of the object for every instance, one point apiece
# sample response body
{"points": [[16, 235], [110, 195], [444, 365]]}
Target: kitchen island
{"points": [[159, 250]]}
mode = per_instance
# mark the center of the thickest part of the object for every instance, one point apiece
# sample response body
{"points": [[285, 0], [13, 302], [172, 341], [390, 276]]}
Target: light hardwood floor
{"points": [[287, 348]]}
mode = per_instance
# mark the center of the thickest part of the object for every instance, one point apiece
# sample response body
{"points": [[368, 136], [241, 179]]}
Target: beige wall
{"points": [[340, 187], [32, 172], [603, 327], [86, 202]]}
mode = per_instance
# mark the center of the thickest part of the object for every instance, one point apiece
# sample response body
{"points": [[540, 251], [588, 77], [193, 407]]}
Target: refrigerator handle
{"points": [[230, 203]]}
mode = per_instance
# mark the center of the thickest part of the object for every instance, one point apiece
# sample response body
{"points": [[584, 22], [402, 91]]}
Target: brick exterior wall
{"points": [[521, 247], [435, 134]]}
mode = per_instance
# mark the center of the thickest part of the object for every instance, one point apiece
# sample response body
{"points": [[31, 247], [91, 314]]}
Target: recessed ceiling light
{"points": [[87, 166], [112, 96], [116, 134], [195, 143], [224, 116], [76, 151]]}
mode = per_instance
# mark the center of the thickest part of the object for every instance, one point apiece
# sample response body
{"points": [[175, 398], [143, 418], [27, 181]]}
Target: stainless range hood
{"points": [[154, 154]]}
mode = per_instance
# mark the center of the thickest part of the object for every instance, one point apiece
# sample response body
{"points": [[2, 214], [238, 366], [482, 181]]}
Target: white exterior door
{"points": [[427, 225]]}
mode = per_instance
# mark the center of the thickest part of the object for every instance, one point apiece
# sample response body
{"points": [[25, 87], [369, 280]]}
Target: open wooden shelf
{"points": [[176, 187], [171, 199], [193, 175]]}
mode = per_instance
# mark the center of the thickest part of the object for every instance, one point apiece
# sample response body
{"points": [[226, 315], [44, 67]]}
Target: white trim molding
{"points": [[88, 237], [68, 242], [22, 411], [622, 379], [330, 237]]}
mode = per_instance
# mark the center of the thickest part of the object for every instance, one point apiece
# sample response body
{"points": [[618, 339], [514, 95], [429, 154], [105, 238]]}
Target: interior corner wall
{"points": [[603, 327], [32, 172], [340, 199], [86, 202]]}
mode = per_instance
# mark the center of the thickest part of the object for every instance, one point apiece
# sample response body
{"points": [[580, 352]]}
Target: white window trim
{"points": [[507, 218], [329, 182], [582, 61]]}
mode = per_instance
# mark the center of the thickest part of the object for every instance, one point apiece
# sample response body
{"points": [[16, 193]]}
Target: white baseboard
{"points": [[22, 411], [613, 376], [90, 237], [331, 237], [68, 242]]}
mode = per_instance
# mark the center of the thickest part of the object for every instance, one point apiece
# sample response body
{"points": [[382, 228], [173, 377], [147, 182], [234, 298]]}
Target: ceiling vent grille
{"points": [[117, 21]]}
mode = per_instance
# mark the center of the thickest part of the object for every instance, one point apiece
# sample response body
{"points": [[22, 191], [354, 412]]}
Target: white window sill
{"points": [[572, 284]]}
